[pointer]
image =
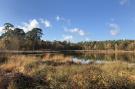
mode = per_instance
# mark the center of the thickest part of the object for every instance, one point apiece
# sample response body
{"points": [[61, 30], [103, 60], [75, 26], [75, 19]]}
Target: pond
{"points": [[89, 57], [82, 57]]}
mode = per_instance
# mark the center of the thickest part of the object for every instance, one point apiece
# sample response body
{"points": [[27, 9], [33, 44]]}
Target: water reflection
{"points": [[82, 61], [87, 57], [80, 57]]}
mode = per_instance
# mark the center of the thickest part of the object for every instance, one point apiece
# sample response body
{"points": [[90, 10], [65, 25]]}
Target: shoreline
{"points": [[58, 51]]}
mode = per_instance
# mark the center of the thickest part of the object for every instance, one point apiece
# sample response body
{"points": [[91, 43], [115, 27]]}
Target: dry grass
{"points": [[57, 58], [17, 63], [29, 72]]}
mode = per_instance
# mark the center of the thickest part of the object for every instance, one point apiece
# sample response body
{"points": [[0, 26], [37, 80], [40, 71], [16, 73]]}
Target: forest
{"points": [[14, 38]]}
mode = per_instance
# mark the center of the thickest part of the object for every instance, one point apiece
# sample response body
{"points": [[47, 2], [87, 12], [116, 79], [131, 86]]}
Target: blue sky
{"points": [[75, 20]]}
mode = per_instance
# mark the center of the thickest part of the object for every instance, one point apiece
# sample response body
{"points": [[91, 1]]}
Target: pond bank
{"points": [[57, 51]]}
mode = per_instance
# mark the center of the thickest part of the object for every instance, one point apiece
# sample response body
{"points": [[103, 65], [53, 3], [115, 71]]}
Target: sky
{"points": [[72, 20]]}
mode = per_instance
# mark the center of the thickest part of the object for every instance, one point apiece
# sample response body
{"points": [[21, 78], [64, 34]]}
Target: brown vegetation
{"points": [[31, 72]]}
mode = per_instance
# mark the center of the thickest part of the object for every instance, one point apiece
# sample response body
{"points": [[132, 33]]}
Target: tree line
{"points": [[115, 45], [16, 39]]}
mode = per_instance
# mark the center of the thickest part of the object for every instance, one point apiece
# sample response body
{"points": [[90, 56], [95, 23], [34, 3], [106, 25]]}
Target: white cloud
{"points": [[114, 29], [76, 30], [124, 2], [1, 30], [46, 23], [68, 37], [59, 18], [30, 25]]}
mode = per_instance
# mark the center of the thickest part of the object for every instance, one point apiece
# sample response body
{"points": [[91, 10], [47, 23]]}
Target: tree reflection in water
{"points": [[89, 57]]}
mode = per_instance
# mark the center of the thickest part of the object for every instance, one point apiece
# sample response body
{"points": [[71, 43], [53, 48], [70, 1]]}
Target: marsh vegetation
{"points": [[61, 71]]}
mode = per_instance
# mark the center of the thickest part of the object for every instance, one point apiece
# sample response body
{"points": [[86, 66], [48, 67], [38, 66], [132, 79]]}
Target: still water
{"points": [[88, 57], [82, 57]]}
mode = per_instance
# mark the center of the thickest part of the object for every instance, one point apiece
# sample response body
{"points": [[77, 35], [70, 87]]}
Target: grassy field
{"points": [[31, 72]]}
